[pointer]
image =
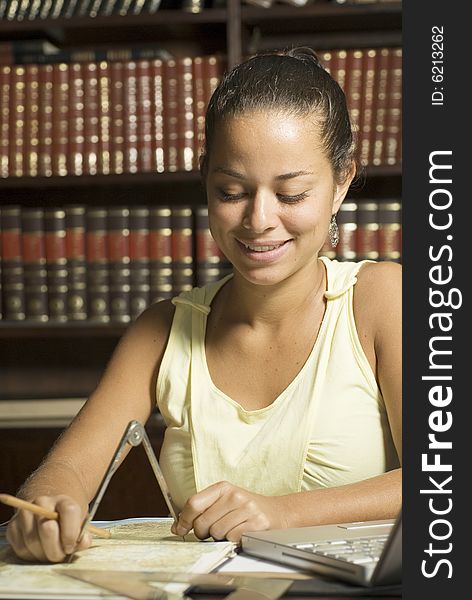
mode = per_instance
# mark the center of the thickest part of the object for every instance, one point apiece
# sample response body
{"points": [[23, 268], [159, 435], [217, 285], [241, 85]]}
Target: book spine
{"points": [[98, 287], [31, 120], [117, 117], [160, 253], [144, 116], [12, 264], [45, 120], [338, 67], [366, 116], [60, 119], [199, 110], [130, 116], [34, 260], [76, 118], [211, 263], [367, 230], [76, 262], [119, 262], [17, 122], [158, 116], [354, 86], [347, 224], [139, 259], [5, 76], [182, 249], [170, 106], [56, 261], [91, 118], [393, 117], [185, 114], [390, 231], [104, 111], [380, 104]]}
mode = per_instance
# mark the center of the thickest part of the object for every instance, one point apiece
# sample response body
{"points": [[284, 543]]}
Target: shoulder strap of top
{"points": [[200, 298], [342, 276]]}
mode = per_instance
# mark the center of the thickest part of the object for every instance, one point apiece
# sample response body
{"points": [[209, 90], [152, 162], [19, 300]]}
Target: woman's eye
{"points": [[230, 197], [292, 199]]}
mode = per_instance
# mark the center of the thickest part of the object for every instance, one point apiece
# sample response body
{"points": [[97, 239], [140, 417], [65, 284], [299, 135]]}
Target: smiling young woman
{"points": [[280, 384]]}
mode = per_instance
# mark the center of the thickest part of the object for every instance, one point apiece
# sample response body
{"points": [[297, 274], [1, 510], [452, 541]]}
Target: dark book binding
{"points": [[211, 263], [170, 115], [139, 265], [76, 262], [91, 118], [98, 286], [119, 263], [34, 261], [390, 231], [160, 253], [12, 264], [347, 224], [56, 263], [144, 116], [117, 142], [45, 103], [182, 249], [76, 147], [185, 114], [367, 230], [31, 120], [130, 118], [60, 119]]}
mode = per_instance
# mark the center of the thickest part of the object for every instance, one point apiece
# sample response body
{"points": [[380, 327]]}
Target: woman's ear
{"points": [[342, 188]]}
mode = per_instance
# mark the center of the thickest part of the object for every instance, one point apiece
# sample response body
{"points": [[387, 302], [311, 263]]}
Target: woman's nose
{"points": [[261, 212]]}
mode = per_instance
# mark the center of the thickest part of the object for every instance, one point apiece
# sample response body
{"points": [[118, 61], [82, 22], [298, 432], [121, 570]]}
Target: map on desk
{"points": [[136, 545]]}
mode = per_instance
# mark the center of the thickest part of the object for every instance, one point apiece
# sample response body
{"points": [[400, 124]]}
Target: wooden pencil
{"points": [[48, 514]]}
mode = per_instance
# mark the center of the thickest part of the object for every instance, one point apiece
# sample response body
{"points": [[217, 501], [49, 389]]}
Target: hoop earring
{"points": [[333, 232]]}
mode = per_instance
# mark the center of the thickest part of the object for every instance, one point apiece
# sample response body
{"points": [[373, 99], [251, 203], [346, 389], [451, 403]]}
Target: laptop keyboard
{"points": [[359, 551]]}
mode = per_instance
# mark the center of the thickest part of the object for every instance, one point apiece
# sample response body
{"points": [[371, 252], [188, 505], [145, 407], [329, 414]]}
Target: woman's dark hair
{"points": [[293, 81]]}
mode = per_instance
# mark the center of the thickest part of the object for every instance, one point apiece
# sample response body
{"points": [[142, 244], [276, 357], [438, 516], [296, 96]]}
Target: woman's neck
{"points": [[271, 305]]}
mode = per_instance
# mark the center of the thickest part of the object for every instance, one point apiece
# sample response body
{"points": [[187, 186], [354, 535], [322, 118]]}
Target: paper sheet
{"points": [[136, 545]]}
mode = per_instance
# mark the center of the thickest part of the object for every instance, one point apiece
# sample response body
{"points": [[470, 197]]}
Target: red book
{"points": [[117, 117], [338, 67], [34, 261], [380, 105], [211, 263], [170, 102], [45, 120], [390, 231], [326, 59], [347, 224], [31, 119], [160, 253], [98, 286], [144, 116], [56, 263], [119, 263], [91, 118], [76, 262], [104, 120], [367, 108], [60, 119], [182, 249], [5, 77], [12, 264], [353, 86], [17, 122], [157, 109], [185, 114], [199, 108], [393, 117], [367, 230], [130, 117], [139, 259], [76, 119]]}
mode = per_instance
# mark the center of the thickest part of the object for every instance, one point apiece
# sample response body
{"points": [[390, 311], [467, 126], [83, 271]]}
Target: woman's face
{"points": [[271, 193]]}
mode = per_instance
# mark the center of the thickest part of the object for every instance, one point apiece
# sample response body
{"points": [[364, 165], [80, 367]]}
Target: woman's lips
{"points": [[265, 251]]}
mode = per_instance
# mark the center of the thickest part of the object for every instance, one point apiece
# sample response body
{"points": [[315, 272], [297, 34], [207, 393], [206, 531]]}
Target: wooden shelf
{"points": [[25, 329]]}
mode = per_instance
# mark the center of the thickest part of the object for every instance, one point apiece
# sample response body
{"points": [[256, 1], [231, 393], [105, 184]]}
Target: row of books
{"points": [[106, 117], [372, 81], [368, 230], [149, 115], [101, 264], [20, 10], [107, 264]]}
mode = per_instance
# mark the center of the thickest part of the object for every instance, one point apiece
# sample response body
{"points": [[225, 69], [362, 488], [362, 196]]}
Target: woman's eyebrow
{"points": [[282, 177]]}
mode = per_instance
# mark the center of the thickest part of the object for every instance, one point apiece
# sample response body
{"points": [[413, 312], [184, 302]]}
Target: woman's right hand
{"points": [[35, 538]]}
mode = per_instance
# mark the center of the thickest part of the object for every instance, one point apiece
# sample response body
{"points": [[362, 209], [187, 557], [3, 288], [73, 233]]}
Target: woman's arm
{"points": [[69, 477]]}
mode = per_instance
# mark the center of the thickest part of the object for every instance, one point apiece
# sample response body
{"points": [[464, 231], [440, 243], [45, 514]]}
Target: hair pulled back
{"points": [[293, 81]]}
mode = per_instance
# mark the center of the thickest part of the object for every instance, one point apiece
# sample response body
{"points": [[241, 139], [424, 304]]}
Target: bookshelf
{"points": [[64, 360]]}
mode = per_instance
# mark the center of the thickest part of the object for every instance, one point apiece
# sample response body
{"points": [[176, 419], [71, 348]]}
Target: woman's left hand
{"points": [[224, 511]]}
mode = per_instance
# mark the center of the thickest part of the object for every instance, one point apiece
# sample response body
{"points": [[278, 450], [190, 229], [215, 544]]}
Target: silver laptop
{"points": [[368, 553]]}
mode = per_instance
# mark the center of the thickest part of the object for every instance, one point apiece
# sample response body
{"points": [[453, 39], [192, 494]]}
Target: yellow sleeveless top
{"points": [[329, 426]]}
